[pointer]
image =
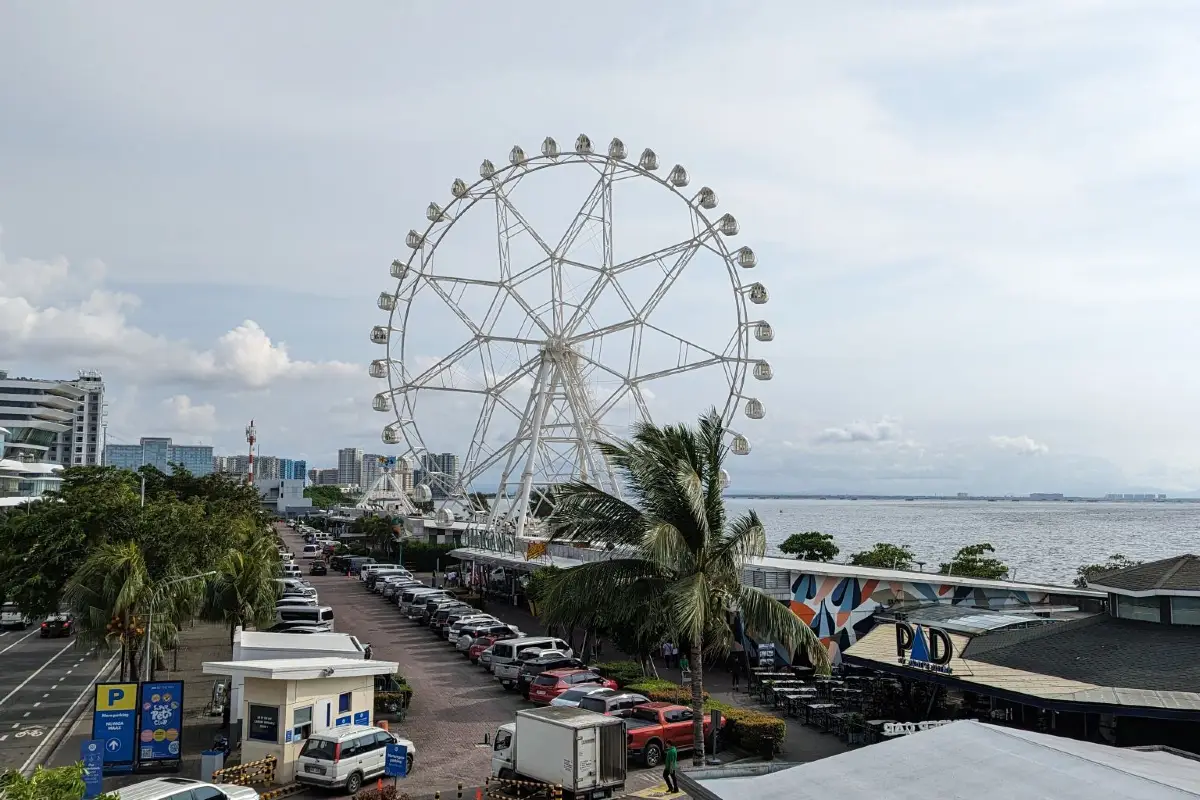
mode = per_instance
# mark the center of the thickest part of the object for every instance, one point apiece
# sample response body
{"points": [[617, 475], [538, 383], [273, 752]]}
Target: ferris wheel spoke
{"points": [[434, 284], [601, 194], [447, 362], [668, 280], [522, 224]]}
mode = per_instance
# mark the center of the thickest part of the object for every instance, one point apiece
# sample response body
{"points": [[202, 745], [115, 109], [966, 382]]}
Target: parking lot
{"points": [[454, 702], [41, 679]]}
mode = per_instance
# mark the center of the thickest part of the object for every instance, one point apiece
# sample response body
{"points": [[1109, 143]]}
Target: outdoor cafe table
{"points": [[815, 713], [794, 699], [773, 690]]}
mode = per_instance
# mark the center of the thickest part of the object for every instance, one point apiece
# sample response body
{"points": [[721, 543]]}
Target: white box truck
{"points": [[260, 645], [582, 751]]}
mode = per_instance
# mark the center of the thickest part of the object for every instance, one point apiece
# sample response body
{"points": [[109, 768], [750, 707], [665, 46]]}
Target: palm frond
{"points": [[767, 619]]}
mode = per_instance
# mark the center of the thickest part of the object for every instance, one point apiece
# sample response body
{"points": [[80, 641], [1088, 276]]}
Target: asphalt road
{"points": [[40, 679]]}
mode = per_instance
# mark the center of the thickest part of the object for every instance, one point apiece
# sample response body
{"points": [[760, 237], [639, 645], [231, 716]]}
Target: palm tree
{"points": [[107, 594], [244, 590], [673, 548]]}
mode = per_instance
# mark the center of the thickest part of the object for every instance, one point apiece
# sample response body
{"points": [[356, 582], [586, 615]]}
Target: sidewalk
{"points": [[203, 642], [802, 743]]}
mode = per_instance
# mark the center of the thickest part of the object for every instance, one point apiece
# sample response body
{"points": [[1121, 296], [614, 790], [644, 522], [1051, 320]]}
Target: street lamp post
{"points": [[150, 618]]}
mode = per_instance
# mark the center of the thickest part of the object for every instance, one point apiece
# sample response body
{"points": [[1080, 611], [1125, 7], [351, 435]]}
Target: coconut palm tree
{"points": [[674, 549], [244, 590], [107, 596]]}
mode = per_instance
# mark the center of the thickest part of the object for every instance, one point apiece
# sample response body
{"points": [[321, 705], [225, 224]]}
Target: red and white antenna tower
{"points": [[251, 438]]}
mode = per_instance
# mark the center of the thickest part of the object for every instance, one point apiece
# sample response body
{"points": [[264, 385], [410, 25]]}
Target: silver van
{"points": [[173, 788], [320, 616], [415, 598], [349, 756], [504, 664]]}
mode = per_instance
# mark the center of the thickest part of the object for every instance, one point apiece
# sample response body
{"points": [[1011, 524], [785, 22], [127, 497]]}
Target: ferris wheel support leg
{"points": [[535, 433]]}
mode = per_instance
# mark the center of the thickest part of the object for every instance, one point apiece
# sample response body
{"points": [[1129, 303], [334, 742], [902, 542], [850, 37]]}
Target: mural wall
{"points": [[839, 609]]}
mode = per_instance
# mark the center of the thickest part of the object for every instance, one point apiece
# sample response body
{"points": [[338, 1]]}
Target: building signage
{"points": [[766, 655], [362, 718], [905, 728], [114, 720], [264, 724], [162, 722], [924, 648], [91, 753]]}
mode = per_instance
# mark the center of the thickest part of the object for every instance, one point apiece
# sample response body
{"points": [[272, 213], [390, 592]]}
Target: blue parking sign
{"points": [[396, 764], [91, 753]]}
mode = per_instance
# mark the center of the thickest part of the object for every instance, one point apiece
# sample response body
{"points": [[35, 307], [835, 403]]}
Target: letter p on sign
{"points": [[115, 696]]}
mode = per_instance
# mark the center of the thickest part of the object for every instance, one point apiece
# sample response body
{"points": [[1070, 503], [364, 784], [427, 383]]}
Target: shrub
{"points": [[751, 730], [389, 702], [388, 792], [623, 672], [662, 691]]}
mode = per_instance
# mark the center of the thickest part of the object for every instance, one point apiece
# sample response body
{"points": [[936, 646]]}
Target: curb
{"points": [[62, 729]]}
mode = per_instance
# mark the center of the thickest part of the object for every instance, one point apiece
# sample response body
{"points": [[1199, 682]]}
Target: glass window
{"points": [[208, 793], [302, 723], [503, 740], [343, 703], [1185, 610], [1144, 608], [321, 749]]}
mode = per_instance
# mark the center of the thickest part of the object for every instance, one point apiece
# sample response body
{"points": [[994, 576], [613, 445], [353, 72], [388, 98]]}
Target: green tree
{"points": [[244, 591], [59, 783], [539, 586], [885, 556], [326, 496], [108, 596], [674, 549], [810, 546], [378, 532], [1088, 572], [973, 561]]}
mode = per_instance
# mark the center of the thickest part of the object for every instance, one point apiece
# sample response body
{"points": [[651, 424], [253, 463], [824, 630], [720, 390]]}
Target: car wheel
{"points": [[354, 783], [408, 764], [652, 755]]}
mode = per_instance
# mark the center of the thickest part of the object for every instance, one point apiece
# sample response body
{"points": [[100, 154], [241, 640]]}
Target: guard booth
{"points": [[287, 700]]}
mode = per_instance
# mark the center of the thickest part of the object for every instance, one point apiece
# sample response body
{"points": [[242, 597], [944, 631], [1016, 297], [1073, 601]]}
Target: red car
{"points": [[550, 685], [478, 646]]}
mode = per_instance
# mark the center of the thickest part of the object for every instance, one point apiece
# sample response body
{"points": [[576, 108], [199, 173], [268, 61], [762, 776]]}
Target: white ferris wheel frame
{"points": [[558, 387]]}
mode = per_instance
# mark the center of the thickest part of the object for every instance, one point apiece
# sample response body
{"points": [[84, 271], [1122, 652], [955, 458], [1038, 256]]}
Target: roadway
{"points": [[40, 680]]}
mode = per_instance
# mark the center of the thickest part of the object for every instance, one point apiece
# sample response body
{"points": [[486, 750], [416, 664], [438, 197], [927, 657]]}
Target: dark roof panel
{"points": [[1101, 650], [1175, 573]]}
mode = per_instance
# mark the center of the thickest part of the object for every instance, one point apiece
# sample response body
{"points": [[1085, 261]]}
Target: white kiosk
{"points": [[284, 701]]}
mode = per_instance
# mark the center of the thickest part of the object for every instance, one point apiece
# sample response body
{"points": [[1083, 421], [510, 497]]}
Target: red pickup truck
{"points": [[652, 726]]}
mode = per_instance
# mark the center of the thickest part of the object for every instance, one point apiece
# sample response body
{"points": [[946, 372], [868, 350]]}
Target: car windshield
{"points": [[546, 680], [322, 749], [573, 694]]}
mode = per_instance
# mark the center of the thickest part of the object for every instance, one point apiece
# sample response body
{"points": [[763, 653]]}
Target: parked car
{"points": [[652, 726], [549, 685], [485, 656], [619, 704], [438, 619], [57, 625], [347, 757], [469, 633], [173, 788], [536, 666], [504, 663], [318, 568], [571, 697], [452, 627]]}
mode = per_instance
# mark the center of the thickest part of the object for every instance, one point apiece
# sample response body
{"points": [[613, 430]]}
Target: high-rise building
{"points": [[299, 470], [445, 465], [160, 453], [350, 466], [267, 467], [84, 443], [33, 413], [323, 477], [371, 469]]}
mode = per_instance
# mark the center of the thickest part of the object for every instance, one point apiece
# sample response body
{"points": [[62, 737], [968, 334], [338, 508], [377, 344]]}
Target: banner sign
{"points": [[766, 655], [396, 763], [924, 648], [114, 720], [91, 753], [905, 728], [162, 721]]}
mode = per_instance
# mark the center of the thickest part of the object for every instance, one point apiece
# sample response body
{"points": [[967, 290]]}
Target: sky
{"points": [[975, 220]]}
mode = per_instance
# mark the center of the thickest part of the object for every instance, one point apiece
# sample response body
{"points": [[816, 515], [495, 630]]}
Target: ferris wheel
{"points": [[523, 350]]}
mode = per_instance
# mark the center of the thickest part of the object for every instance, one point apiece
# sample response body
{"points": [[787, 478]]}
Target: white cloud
{"points": [[885, 430], [185, 416], [1021, 445], [53, 312]]}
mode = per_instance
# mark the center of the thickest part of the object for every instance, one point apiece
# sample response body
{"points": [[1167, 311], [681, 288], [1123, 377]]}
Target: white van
{"points": [[184, 789], [295, 586], [294, 600], [505, 665], [320, 616], [415, 598], [347, 757], [311, 551], [366, 570], [11, 617]]}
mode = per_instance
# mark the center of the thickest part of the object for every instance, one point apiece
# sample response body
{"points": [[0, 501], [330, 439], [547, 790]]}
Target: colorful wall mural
{"points": [[839, 610]]}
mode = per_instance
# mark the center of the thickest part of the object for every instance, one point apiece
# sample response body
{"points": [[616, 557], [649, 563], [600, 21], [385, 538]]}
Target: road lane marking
{"points": [[47, 694], [36, 672], [38, 703], [18, 641], [27, 713], [36, 756]]}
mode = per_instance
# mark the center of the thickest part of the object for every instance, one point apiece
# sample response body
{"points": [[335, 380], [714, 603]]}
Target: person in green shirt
{"points": [[670, 762]]}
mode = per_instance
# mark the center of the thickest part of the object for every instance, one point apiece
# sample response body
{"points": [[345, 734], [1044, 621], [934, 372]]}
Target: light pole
{"points": [[150, 618]]}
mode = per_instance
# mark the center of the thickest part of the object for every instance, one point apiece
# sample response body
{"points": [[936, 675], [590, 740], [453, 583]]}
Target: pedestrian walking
{"points": [[735, 669], [670, 763], [666, 653]]}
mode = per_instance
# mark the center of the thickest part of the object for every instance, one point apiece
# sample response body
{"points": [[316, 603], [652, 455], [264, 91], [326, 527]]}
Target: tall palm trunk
{"points": [[697, 704]]}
